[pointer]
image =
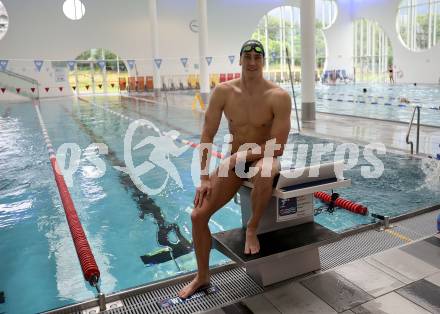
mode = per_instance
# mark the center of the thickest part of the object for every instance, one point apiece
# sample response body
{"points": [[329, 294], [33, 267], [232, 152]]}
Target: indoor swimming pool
{"points": [[129, 231]]}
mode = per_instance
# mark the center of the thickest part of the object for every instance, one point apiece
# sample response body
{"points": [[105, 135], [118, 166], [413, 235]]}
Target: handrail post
{"points": [[418, 129]]}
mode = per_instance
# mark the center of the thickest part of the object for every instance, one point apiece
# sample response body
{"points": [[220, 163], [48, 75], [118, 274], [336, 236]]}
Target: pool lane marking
{"points": [[398, 235], [183, 141]]}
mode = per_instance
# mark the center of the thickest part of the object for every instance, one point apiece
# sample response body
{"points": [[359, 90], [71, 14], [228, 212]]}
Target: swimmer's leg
{"points": [[223, 189], [260, 197]]}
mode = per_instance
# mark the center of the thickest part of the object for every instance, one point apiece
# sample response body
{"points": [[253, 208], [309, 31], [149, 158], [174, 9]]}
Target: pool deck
{"points": [[366, 130], [403, 279]]}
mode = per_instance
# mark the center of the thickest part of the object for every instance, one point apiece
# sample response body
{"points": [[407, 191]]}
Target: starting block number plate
{"points": [[198, 294], [295, 207]]}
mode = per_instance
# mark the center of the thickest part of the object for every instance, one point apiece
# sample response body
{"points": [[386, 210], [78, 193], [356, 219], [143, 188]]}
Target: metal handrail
{"points": [[22, 77], [418, 130]]}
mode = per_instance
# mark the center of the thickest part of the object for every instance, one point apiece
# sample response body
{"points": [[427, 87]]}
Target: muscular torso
{"points": [[250, 116]]}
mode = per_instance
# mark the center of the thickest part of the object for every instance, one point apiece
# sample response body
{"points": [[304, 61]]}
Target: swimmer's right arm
{"points": [[213, 116]]}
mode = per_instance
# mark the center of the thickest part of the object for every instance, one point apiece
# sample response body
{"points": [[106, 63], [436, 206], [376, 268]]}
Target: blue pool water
{"points": [[40, 269]]}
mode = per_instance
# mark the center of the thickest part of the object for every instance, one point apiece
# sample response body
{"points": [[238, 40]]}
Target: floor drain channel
{"points": [[227, 287]]}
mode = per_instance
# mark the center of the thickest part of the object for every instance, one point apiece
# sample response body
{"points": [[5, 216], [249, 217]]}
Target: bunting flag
{"points": [[112, 85], [87, 87], [184, 61], [74, 87], [46, 89], [158, 62], [3, 90], [3, 65], [208, 60], [231, 59], [33, 89], [100, 86], [38, 64], [273, 55], [60, 88], [71, 65], [101, 64], [130, 64], [18, 90]]}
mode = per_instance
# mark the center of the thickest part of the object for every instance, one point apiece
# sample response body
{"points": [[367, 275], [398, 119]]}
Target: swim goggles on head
{"points": [[252, 46]]}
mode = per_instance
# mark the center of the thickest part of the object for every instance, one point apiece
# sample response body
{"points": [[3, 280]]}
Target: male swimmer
{"points": [[258, 111]]}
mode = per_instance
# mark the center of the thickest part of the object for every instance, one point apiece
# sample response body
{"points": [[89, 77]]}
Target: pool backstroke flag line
{"points": [[130, 64], [3, 65], [71, 65], [101, 64], [231, 59], [158, 62], [209, 60], [38, 64], [184, 61]]}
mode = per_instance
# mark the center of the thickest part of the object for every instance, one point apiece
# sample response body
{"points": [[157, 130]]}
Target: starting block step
{"points": [[284, 253]]}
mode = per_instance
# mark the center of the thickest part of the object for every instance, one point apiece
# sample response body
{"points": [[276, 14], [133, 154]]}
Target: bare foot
{"points": [[192, 287], [252, 245]]}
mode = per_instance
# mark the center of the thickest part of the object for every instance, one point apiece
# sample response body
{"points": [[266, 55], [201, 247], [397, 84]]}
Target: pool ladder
{"points": [[417, 108]]}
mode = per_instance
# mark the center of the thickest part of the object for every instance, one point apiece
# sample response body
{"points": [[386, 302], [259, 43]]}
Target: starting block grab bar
{"points": [[289, 238]]}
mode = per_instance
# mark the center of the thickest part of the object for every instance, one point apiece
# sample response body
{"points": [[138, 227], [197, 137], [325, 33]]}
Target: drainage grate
{"points": [[370, 242], [233, 285], [355, 247], [420, 226]]}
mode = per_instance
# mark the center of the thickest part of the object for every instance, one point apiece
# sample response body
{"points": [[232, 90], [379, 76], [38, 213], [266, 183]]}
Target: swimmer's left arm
{"points": [[281, 121]]}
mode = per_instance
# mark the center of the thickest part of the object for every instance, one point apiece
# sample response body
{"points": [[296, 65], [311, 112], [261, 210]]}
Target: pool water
{"points": [[125, 227]]}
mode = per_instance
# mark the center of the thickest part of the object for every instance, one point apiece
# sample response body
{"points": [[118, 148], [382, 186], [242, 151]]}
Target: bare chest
{"points": [[249, 111]]}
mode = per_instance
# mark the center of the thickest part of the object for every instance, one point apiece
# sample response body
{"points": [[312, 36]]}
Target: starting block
{"points": [[289, 238]]}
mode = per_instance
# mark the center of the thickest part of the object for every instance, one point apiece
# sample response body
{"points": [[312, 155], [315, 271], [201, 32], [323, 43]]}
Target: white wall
{"points": [[420, 67], [339, 39]]}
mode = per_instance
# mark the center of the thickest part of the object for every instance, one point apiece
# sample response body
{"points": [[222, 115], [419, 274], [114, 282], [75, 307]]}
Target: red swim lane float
{"points": [[343, 203], [88, 264]]}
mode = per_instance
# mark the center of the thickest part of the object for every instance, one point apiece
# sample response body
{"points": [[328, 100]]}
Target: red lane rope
{"points": [[85, 255], [343, 203]]}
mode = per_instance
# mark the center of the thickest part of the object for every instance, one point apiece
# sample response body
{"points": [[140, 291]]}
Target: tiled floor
{"points": [[400, 280]]}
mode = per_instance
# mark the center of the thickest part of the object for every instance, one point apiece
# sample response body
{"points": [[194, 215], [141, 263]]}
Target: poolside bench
{"points": [[289, 237]]}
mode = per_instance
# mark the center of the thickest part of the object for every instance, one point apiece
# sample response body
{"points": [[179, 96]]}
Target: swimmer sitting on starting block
{"points": [[258, 111]]}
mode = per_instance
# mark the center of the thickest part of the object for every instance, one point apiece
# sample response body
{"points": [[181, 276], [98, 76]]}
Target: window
{"points": [[418, 23], [74, 9], [280, 29], [4, 20], [372, 51]]}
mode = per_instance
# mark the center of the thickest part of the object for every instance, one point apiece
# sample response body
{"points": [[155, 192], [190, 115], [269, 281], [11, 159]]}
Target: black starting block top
{"points": [[279, 242]]}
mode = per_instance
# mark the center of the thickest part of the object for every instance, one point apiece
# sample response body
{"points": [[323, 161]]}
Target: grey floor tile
{"points": [[259, 304], [214, 311], [369, 278], [294, 298], [405, 264], [391, 303], [424, 293], [435, 279], [425, 251], [435, 240], [336, 291], [237, 308], [390, 271]]}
